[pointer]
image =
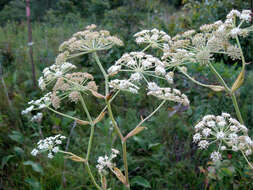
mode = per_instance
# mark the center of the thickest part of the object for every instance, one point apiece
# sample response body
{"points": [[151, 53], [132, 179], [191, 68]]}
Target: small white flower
{"points": [[220, 135], [235, 31], [197, 137], [215, 156], [211, 124], [223, 148], [34, 152], [206, 132], [50, 155], [203, 144]]}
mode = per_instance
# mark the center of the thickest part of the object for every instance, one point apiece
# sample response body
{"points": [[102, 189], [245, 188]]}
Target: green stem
{"points": [[219, 77], [113, 120], [150, 115], [233, 97], [104, 73], [92, 126], [64, 115], [91, 176], [242, 56], [125, 164], [90, 142], [237, 110], [114, 123], [247, 160], [146, 48], [195, 81]]}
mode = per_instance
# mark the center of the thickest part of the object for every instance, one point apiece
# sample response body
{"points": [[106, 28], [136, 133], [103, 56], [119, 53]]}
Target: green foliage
{"points": [[163, 154]]}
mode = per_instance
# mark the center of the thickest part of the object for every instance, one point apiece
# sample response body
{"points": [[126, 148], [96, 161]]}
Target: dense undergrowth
{"points": [[163, 155]]}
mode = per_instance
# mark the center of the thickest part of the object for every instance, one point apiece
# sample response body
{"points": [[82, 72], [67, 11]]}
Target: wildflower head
{"points": [[223, 131], [49, 145], [174, 95], [154, 37], [106, 162], [88, 41]]}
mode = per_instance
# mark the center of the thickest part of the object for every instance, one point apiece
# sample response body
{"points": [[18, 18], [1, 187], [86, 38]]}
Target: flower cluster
{"points": [[215, 38], [167, 94], [106, 162], [38, 104], [53, 72], [88, 41], [37, 118], [138, 62], [153, 37], [224, 131], [124, 85], [50, 144], [70, 85]]}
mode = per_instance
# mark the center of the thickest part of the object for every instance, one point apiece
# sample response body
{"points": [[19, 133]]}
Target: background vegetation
{"points": [[163, 155]]}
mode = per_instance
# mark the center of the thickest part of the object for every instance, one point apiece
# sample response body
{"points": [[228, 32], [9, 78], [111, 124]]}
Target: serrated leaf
{"points": [[35, 166], [138, 180]]}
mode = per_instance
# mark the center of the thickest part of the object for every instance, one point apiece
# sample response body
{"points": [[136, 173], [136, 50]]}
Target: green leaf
{"points": [[35, 185], [154, 146], [138, 180], [5, 160], [35, 166], [19, 151], [17, 136]]}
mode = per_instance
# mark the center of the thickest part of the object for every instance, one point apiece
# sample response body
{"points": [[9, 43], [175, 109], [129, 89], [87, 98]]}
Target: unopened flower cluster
{"points": [[223, 131], [50, 145], [106, 162], [71, 85], [88, 41], [53, 72]]}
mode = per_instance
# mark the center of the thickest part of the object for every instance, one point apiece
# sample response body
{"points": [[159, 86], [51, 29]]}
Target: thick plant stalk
{"points": [[228, 90], [90, 142], [113, 120]]}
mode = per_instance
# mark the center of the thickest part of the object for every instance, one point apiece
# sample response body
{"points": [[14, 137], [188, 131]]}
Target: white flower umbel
{"points": [[223, 131], [154, 37], [138, 62], [88, 41], [167, 94], [50, 145], [37, 118], [54, 72], [38, 104], [124, 85], [214, 38], [106, 162]]}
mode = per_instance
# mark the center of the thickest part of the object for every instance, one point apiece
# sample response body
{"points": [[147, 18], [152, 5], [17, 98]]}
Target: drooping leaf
{"points": [[5, 160], [35, 166], [138, 180]]}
